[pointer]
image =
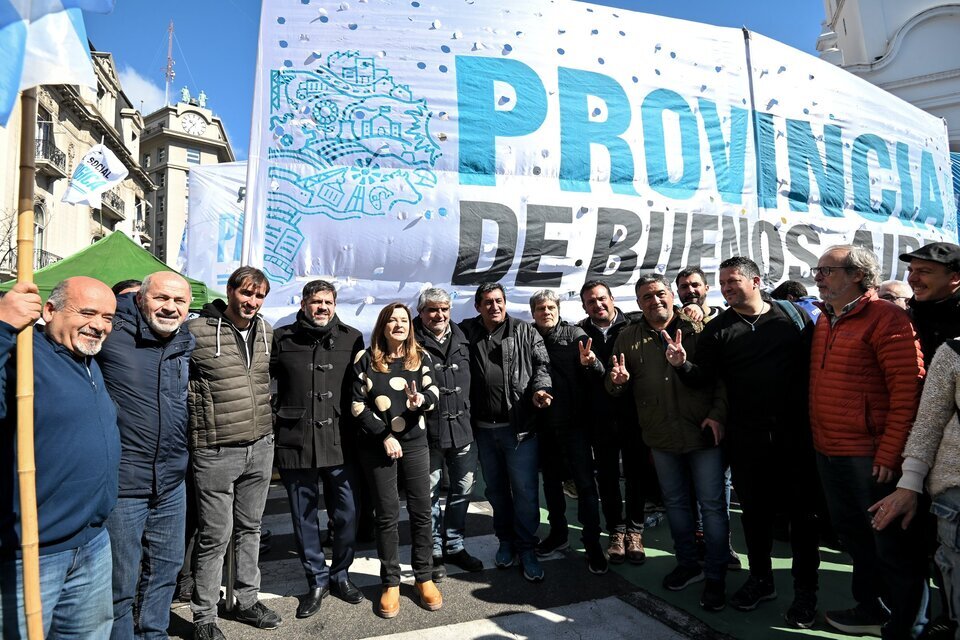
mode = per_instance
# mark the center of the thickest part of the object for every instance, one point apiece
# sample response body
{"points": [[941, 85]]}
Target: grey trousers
{"points": [[231, 490]]}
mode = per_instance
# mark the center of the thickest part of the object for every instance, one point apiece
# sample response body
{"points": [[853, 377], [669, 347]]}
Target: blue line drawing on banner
{"points": [[348, 143]]}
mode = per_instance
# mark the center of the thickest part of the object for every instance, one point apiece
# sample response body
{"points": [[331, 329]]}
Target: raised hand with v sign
{"points": [[587, 356], [619, 374], [676, 354]]}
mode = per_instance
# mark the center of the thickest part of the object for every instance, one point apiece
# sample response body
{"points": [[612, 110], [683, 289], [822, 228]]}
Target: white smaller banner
{"points": [[213, 236], [98, 171]]}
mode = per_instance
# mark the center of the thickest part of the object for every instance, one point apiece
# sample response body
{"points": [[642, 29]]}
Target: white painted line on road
{"points": [[607, 619]]}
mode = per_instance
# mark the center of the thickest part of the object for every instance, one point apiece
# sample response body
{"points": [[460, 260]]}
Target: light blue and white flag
{"points": [[98, 171], [44, 42]]}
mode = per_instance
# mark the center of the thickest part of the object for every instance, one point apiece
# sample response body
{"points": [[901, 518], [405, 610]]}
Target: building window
{"points": [[147, 160], [44, 126], [39, 226], [161, 155], [160, 203], [161, 179], [193, 156]]}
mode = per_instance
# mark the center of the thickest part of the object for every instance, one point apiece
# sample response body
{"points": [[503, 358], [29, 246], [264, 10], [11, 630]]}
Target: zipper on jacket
{"points": [[86, 365]]}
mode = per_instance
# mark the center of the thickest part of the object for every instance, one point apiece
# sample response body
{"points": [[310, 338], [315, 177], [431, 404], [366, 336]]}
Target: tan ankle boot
{"points": [[430, 597], [390, 602]]}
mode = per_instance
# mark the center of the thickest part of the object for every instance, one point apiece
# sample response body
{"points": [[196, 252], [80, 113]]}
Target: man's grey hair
{"points": [[864, 261], [898, 285], [58, 297], [542, 295], [649, 278], [433, 295], [148, 282]]}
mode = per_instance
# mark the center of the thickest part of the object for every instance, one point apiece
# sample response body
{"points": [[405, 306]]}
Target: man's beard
{"points": [[320, 321], [89, 345], [162, 324]]}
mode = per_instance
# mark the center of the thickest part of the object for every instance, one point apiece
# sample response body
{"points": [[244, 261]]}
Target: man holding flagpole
{"points": [[77, 459]]}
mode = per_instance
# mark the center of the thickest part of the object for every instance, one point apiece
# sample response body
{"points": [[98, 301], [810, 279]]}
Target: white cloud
{"points": [[141, 90]]}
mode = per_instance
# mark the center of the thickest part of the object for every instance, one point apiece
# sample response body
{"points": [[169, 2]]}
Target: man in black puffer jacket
{"points": [[311, 361], [448, 430], [564, 434], [145, 364]]}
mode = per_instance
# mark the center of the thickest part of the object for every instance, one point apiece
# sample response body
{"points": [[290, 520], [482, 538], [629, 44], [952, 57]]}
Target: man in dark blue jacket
{"points": [[145, 365], [448, 430], [77, 452]]}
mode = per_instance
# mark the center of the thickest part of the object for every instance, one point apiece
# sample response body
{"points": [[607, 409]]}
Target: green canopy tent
{"points": [[110, 260]]}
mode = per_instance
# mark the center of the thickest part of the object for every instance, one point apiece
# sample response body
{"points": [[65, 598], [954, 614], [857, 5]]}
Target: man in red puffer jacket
{"points": [[866, 372]]}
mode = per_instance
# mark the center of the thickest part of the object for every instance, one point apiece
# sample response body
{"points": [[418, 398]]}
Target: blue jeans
{"points": [[510, 472], [74, 590], [147, 537], [889, 564], [448, 525], [705, 467]]}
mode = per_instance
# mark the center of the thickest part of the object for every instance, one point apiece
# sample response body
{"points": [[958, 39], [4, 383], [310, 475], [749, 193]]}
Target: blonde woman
{"points": [[392, 391]]}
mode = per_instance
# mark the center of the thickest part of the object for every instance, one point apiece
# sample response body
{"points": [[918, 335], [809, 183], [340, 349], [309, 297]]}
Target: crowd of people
{"points": [[157, 436]]}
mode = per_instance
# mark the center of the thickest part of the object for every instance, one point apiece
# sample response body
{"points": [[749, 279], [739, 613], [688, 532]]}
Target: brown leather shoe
{"points": [[635, 552], [389, 602], [615, 548], [430, 598]]}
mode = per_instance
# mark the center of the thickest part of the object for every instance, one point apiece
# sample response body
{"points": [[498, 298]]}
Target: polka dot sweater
{"points": [[380, 402]]}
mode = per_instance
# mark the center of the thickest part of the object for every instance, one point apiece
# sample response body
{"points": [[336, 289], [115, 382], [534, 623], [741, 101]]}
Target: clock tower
{"points": [[175, 138]]}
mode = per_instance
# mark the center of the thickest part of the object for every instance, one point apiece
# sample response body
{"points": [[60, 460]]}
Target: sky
{"points": [[215, 44]]}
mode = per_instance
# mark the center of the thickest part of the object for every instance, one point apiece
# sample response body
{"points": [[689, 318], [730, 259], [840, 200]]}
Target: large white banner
{"points": [[541, 144]]}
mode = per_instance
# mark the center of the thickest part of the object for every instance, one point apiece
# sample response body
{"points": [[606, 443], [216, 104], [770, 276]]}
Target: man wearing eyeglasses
{"points": [[864, 390], [896, 291], [934, 276]]}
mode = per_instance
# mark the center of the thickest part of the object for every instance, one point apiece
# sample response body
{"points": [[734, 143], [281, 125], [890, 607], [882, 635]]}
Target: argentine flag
{"points": [[44, 42]]}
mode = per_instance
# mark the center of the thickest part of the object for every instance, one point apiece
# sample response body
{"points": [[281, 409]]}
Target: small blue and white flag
{"points": [[44, 42], [97, 171]]}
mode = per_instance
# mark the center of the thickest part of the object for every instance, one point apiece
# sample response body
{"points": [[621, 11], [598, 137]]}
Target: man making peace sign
{"points": [[760, 350]]}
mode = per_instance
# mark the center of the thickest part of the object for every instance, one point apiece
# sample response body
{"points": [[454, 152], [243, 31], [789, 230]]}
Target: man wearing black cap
{"points": [[934, 276]]}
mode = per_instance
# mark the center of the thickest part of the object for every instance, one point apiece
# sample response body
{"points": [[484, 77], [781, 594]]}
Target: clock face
{"points": [[193, 124]]}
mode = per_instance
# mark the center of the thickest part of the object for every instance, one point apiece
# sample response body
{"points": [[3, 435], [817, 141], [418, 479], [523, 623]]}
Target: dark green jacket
{"points": [[669, 412]]}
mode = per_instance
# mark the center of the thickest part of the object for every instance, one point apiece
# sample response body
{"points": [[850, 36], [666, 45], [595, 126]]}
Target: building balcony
{"points": [[41, 259], [51, 161], [112, 205]]}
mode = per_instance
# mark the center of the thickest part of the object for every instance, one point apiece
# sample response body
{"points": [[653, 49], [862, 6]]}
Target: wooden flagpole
{"points": [[26, 463]]}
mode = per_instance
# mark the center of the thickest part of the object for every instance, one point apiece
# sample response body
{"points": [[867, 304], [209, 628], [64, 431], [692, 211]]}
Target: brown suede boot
{"points": [[430, 598], [390, 602], [635, 551], [615, 548]]}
